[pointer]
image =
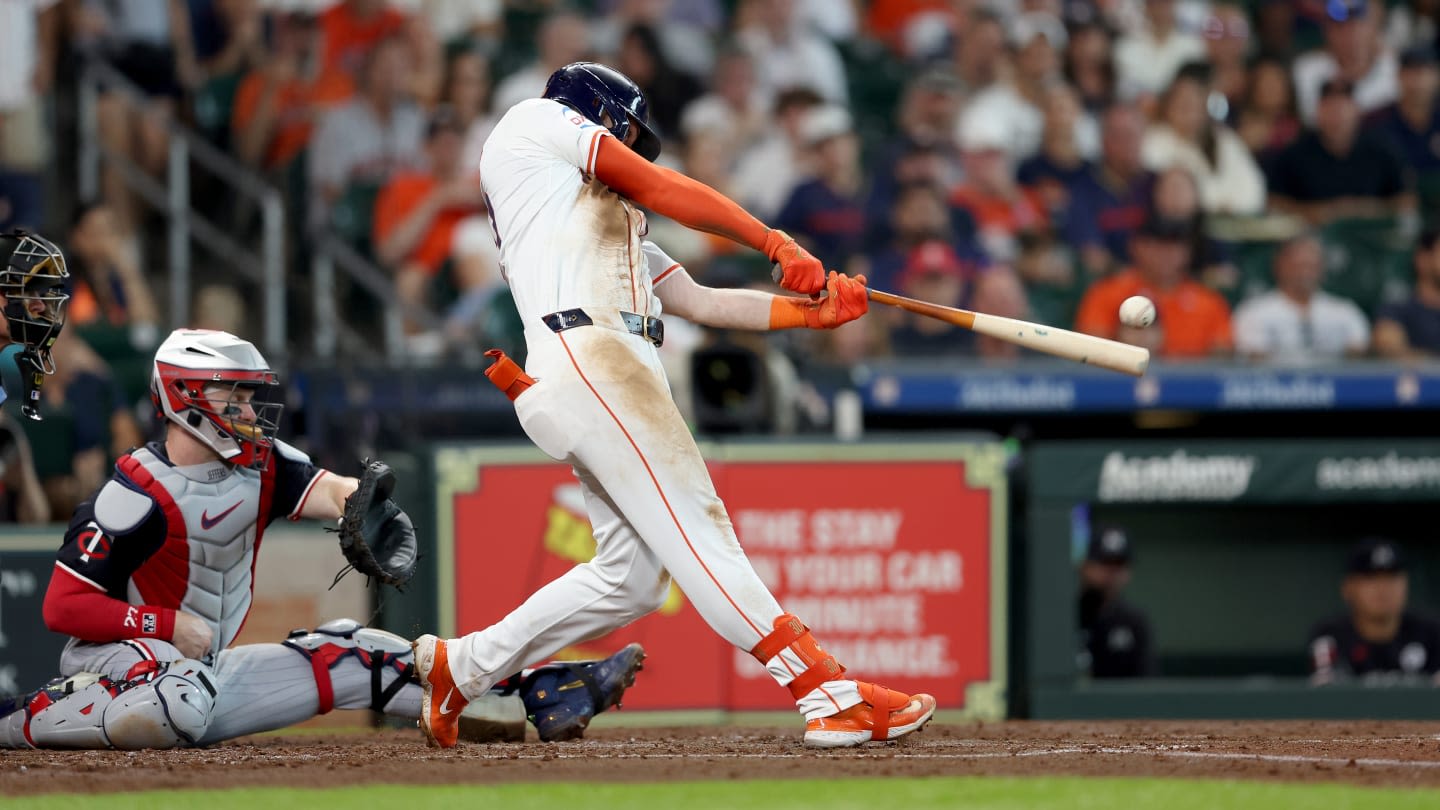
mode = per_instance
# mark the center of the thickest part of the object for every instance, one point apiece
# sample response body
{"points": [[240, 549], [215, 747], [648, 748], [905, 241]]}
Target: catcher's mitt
{"points": [[376, 536]]}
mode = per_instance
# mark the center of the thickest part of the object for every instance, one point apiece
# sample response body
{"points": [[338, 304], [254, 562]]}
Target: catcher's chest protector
{"points": [[218, 508]]}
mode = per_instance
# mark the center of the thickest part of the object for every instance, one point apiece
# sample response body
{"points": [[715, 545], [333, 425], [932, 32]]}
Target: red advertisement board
{"points": [[894, 558]]}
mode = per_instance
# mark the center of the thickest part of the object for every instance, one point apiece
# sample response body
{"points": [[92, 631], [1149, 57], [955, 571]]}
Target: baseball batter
{"points": [[566, 176], [156, 573]]}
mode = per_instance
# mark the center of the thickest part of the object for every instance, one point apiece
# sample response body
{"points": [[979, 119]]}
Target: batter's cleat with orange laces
{"points": [[442, 701], [881, 715]]}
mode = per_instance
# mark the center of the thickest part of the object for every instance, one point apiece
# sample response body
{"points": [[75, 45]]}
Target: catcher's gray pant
{"points": [[250, 688]]}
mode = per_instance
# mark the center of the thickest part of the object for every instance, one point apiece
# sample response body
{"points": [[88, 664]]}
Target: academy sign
{"points": [[1378, 473], [1178, 476]]}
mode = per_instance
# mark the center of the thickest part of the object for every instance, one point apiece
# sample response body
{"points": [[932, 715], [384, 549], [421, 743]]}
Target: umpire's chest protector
{"points": [[206, 564]]}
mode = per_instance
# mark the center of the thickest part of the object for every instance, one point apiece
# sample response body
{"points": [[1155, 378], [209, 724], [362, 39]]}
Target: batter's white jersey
{"points": [[601, 403], [566, 240]]}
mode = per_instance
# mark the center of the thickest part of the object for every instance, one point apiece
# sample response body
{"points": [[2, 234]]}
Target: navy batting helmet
{"points": [[590, 89]]}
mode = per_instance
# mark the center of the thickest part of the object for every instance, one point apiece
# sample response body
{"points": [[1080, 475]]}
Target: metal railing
{"points": [[184, 224], [331, 253]]}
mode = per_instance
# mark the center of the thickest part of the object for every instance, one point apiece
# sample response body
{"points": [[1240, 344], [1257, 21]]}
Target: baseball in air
{"points": [[1137, 311]]}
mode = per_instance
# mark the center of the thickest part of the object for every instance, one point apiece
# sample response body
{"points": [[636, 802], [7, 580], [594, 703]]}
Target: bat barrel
{"points": [[1088, 349], [1099, 352]]}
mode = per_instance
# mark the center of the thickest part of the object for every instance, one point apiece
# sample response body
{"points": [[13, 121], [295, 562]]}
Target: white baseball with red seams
{"points": [[602, 404], [1137, 311]]}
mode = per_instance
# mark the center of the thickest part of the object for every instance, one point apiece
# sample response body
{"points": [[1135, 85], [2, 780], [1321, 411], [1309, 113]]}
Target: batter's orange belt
{"points": [[507, 375]]}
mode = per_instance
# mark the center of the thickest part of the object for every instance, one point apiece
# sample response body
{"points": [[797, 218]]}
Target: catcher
{"points": [[155, 579]]}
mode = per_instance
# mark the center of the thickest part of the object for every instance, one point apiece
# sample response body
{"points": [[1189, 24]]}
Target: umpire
{"points": [[33, 290], [1115, 636]]}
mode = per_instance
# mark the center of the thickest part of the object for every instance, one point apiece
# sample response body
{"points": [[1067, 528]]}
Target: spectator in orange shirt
{"points": [[417, 213], [353, 27], [1192, 321], [277, 104], [109, 284], [1001, 209]]}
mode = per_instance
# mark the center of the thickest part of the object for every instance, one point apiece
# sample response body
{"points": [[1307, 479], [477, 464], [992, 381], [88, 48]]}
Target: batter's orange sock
{"points": [[791, 633]]}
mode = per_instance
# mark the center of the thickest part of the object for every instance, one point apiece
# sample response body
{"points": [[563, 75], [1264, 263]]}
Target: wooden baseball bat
{"points": [[1111, 354]]}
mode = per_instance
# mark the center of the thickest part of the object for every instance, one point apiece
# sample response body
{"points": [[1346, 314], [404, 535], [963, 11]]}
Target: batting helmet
{"points": [[592, 89]]}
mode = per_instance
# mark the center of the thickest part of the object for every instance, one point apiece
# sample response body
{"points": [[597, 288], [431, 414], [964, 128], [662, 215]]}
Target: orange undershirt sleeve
{"points": [[672, 194]]}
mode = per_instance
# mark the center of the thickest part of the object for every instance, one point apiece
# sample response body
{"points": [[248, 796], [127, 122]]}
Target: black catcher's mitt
{"points": [[376, 536]]}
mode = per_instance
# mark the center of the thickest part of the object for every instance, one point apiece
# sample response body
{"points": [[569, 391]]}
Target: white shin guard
{"points": [[165, 708]]}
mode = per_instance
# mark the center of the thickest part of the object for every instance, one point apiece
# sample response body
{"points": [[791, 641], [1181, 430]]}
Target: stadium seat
{"points": [[1253, 259], [1428, 186], [501, 327], [52, 440], [1367, 260], [876, 80], [1052, 305], [353, 214], [130, 366], [212, 105]]}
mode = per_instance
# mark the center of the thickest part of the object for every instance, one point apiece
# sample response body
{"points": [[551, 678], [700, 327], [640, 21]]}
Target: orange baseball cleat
{"points": [[882, 714], [442, 702]]}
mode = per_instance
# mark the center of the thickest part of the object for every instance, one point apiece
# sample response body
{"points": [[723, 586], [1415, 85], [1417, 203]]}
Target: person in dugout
{"points": [[1376, 641], [1115, 637]]}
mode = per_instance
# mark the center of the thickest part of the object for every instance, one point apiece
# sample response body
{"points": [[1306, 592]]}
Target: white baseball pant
{"points": [[601, 403]]}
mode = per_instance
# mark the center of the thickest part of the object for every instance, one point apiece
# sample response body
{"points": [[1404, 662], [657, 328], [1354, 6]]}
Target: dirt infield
{"points": [[1364, 753]]}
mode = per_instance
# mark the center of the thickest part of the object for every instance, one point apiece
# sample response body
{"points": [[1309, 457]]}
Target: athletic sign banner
{"points": [[893, 554]]}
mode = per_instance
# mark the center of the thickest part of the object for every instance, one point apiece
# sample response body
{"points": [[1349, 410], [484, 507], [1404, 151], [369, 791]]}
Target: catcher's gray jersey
{"points": [[160, 538]]}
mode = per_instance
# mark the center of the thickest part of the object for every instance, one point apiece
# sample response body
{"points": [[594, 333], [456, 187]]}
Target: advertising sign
{"points": [[29, 653], [893, 555]]}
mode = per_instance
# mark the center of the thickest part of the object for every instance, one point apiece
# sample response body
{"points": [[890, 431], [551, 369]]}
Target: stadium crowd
{"points": [[1267, 171], [1258, 168]]}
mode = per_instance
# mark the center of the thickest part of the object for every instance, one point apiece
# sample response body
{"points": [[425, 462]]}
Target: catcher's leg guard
{"points": [[339, 665], [162, 706], [171, 708]]}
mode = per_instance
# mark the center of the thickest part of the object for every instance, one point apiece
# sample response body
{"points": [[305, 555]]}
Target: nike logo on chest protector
{"points": [[207, 522]]}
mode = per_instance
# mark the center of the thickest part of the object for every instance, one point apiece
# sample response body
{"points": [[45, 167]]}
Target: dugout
{"points": [[1240, 548]]}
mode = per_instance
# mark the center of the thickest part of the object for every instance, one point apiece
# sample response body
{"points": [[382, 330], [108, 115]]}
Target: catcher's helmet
{"points": [[33, 281], [197, 375], [590, 89]]}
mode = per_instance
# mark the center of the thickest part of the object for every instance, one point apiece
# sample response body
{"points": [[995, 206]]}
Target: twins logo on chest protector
{"points": [[220, 520]]}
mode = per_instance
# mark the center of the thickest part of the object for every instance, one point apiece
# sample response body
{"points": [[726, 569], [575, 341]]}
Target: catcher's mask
{"points": [[215, 385], [33, 282]]}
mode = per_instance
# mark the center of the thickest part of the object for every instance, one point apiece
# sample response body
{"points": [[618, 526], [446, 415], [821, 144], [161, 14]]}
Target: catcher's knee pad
{"points": [[376, 650], [170, 708]]}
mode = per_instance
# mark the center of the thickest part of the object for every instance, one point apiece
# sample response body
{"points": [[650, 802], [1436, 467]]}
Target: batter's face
{"points": [[631, 135], [1376, 597]]}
